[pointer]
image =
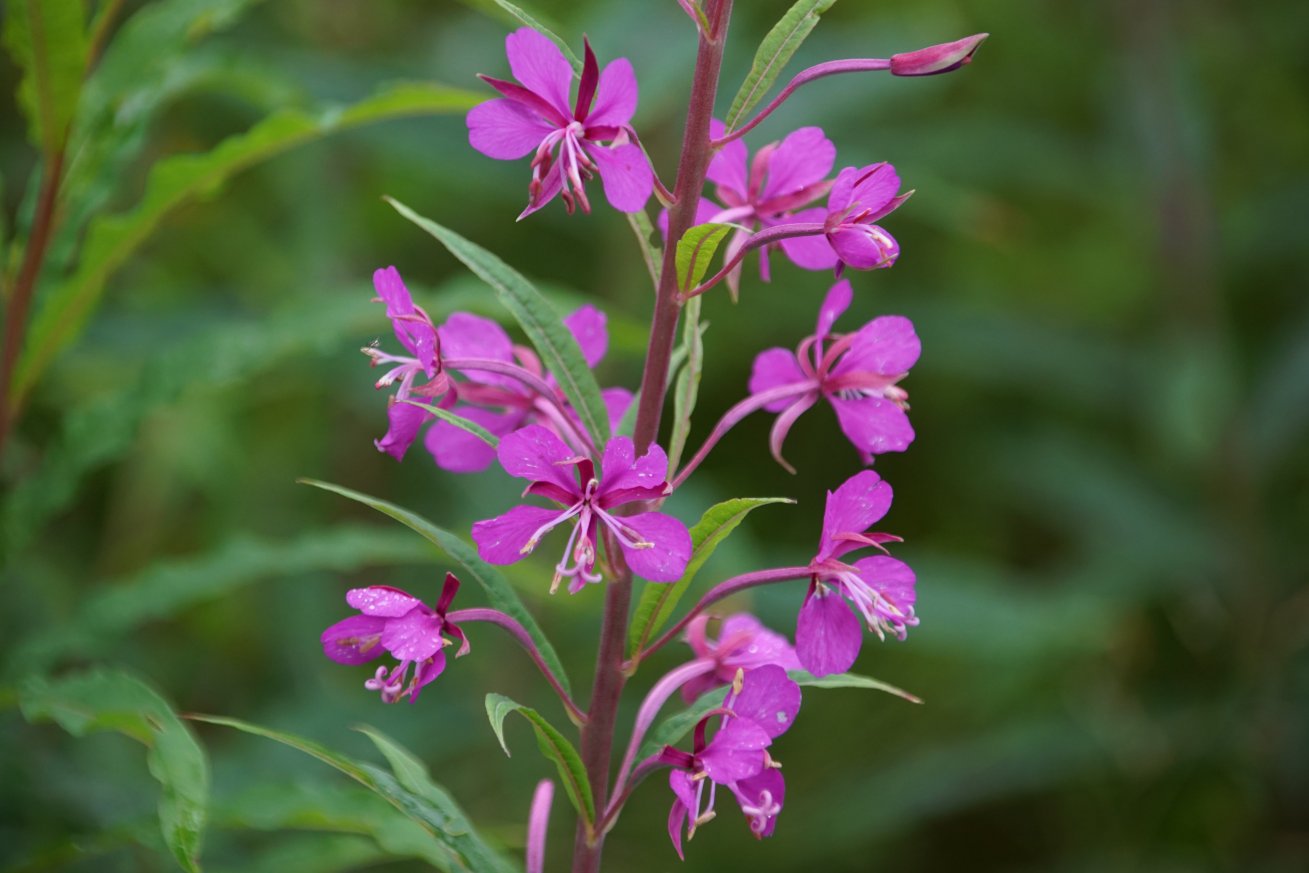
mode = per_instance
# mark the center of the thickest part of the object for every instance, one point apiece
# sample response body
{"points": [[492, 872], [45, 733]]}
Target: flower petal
{"points": [[414, 334], [736, 751], [457, 450], [415, 636], [827, 634], [809, 252], [873, 186], [669, 552], [404, 420], [625, 172], [804, 157], [854, 507], [355, 640], [505, 129], [755, 645], [427, 673], [508, 538], [835, 303], [617, 401], [551, 185], [537, 455], [887, 345], [769, 698], [728, 166], [587, 325], [764, 795], [382, 601], [624, 479], [464, 335], [541, 66], [776, 368], [615, 96], [873, 425], [894, 580], [864, 246]]}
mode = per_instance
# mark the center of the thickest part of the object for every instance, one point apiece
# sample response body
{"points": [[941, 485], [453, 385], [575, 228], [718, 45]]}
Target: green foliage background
{"points": [[1106, 503]]}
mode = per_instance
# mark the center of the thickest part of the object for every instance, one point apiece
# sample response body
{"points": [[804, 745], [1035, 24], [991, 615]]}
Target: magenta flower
{"points": [[857, 373], [880, 588], [535, 117], [656, 547], [743, 644], [860, 196], [502, 404], [944, 58], [760, 707], [394, 622], [413, 328]]}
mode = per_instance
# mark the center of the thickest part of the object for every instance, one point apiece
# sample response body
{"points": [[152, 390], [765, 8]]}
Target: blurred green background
{"points": [[1106, 504]]}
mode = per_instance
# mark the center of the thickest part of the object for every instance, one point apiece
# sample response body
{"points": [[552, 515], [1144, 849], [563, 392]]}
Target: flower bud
{"points": [[938, 58]]}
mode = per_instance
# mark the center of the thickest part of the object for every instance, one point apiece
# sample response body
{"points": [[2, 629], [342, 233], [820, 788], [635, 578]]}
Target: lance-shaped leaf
{"points": [[101, 700], [47, 39], [499, 592], [695, 251], [464, 424], [516, 13], [773, 53], [112, 239], [543, 326], [554, 746], [687, 385], [658, 601], [408, 789]]}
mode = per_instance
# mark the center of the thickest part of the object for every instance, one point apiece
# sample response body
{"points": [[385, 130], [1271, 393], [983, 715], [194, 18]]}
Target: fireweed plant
{"points": [[594, 488]]}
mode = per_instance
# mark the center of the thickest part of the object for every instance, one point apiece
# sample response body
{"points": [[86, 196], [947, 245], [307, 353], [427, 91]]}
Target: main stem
{"points": [[598, 733]]}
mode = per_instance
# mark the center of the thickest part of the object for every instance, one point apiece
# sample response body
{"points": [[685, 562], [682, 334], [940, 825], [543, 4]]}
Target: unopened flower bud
{"points": [[938, 58]]}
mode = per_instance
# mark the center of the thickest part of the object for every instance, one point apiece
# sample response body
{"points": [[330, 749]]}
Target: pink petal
{"points": [[404, 420], [803, 158], [457, 450], [355, 640], [628, 181], [382, 601], [809, 252], [759, 645], [502, 540], [728, 167], [537, 455], [464, 335], [874, 425], [835, 303], [505, 130], [750, 792], [427, 673], [539, 65], [736, 751], [416, 336], [891, 578], [827, 634], [624, 479], [776, 368], [769, 698], [616, 401], [887, 345], [864, 246], [670, 551], [551, 185], [587, 325], [616, 95], [681, 784], [871, 187], [854, 507], [414, 637]]}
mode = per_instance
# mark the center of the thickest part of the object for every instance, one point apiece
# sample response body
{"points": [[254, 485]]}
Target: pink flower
{"points": [[880, 588], [394, 622], [760, 707], [535, 116], [743, 644], [857, 373], [860, 196], [656, 547], [943, 58]]}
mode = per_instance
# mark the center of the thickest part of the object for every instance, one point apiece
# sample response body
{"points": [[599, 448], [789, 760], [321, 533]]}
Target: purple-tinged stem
{"points": [[516, 630], [804, 77], [537, 821], [723, 590], [733, 417], [757, 240]]}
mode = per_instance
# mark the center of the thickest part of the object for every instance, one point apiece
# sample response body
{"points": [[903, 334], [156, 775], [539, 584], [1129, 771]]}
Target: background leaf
{"points": [[47, 39], [695, 251], [554, 746], [773, 53]]}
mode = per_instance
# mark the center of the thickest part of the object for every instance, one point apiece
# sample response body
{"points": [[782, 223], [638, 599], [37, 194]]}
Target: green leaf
{"points": [[543, 326], [688, 381], [651, 253], [47, 39], [533, 20], [695, 251], [111, 240], [553, 745], [850, 680], [460, 422], [408, 790], [101, 700], [773, 53], [498, 591], [659, 600]]}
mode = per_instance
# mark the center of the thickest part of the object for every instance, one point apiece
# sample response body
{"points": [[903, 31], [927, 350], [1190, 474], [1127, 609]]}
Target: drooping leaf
{"points": [[111, 240], [498, 590], [777, 48], [554, 746], [651, 253], [543, 326], [658, 601], [687, 385], [850, 680], [516, 13], [428, 804], [47, 39], [464, 424], [695, 251], [102, 700]]}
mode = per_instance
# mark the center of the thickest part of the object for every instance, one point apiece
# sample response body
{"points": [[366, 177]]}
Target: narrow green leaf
{"points": [[101, 700], [47, 39], [553, 745], [430, 806], [538, 319], [498, 590], [460, 422], [850, 680], [533, 20], [651, 253], [659, 600], [111, 240], [773, 53], [695, 251], [688, 381]]}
